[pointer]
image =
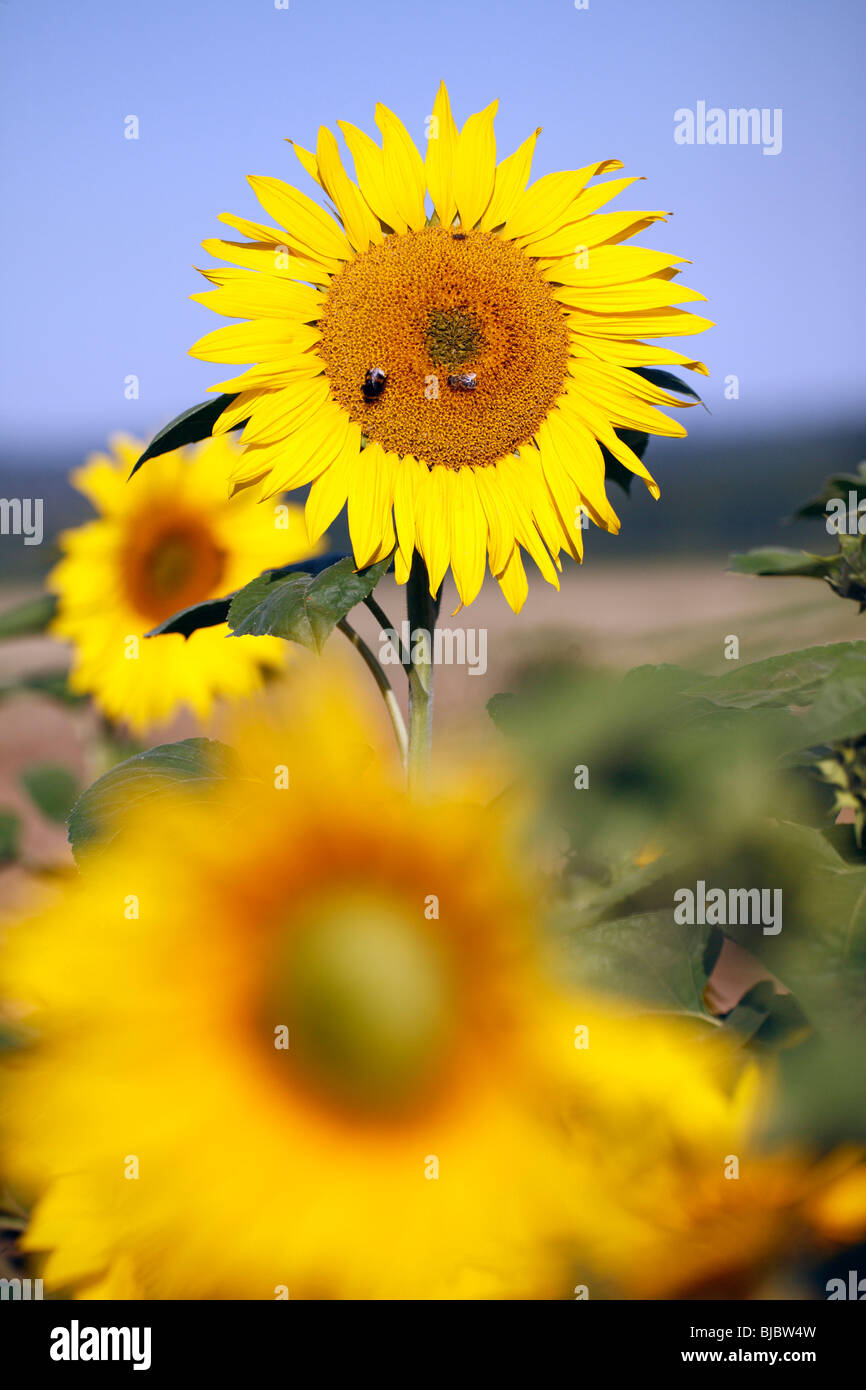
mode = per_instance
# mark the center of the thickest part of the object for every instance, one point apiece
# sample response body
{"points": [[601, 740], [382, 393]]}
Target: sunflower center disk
{"points": [[367, 999], [432, 305], [171, 563]]}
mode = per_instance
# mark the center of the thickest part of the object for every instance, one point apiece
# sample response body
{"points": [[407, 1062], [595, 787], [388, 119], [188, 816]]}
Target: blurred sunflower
{"points": [[330, 1065], [169, 539], [319, 1053], [452, 377]]}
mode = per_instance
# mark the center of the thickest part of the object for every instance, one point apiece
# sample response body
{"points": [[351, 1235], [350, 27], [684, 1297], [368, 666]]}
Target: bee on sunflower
{"points": [[167, 540], [453, 376]]}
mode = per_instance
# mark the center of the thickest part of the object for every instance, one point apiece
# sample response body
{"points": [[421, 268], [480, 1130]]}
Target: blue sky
{"points": [[101, 232]]}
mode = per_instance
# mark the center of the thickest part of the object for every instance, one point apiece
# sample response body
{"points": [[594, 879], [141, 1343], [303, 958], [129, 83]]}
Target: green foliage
{"points": [[10, 831], [301, 607], [845, 570], [52, 788], [98, 816], [190, 427], [30, 618]]}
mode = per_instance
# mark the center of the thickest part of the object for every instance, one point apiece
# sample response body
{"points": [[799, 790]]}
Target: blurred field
{"points": [[618, 616]]}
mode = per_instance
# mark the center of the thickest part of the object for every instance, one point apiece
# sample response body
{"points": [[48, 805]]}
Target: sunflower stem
{"points": [[385, 687], [422, 611]]}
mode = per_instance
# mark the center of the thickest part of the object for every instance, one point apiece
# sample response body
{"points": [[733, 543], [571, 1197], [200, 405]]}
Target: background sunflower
{"points": [[169, 539]]}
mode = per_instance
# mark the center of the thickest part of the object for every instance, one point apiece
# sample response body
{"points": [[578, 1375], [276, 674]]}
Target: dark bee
{"points": [[374, 383], [459, 236], [465, 381]]}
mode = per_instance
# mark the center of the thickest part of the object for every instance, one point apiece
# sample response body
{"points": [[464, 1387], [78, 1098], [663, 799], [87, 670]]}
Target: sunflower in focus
{"points": [[168, 539], [452, 376]]}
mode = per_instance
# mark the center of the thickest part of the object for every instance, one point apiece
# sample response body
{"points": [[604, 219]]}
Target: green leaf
{"points": [[648, 956], [837, 485], [795, 678], [820, 951], [52, 788], [189, 427], [30, 618], [770, 561], [97, 817], [10, 830], [215, 611], [209, 614], [667, 382], [302, 607]]}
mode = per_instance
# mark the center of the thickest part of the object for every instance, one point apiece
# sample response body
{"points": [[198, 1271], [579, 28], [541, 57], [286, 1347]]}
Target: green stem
{"points": [[422, 611], [383, 683]]}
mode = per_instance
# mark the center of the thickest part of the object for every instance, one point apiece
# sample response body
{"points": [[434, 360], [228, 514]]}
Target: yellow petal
{"points": [[407, 485], [649, 323], [500, 523], [475, 165], [468, 534], [371, 496], [270, 376], [652, 293], [512, 176], [260, 296], [606, 265], [564, 494], [309, 162], [262, 340], [510, 478], [362, 226], [403, 167], [306, 452], [546, 203], [330, 491], [277, 413], [439, 161], [434, 525], [513, 581], [273, 258], [370, 173], [310, 224]]}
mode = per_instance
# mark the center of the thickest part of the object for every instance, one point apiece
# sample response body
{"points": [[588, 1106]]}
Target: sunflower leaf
{"points": [[215, 611], [666, 381], [647, 957], [779, 561], [838, 485], [52, 788], [189, 427], [10, 830], [795, 678], [98, 815], [30, 618], [302, 607]]}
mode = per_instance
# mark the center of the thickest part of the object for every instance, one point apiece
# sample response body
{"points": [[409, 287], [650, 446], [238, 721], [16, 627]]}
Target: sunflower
{"points": [[166, 540], [453, 377], [331, 1064], [313, 1065]]}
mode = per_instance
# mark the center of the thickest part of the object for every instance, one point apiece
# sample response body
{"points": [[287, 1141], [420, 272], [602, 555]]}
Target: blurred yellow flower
{"points": [[167, 539], [454, 376], [294, 1038], [290, 1039]]}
